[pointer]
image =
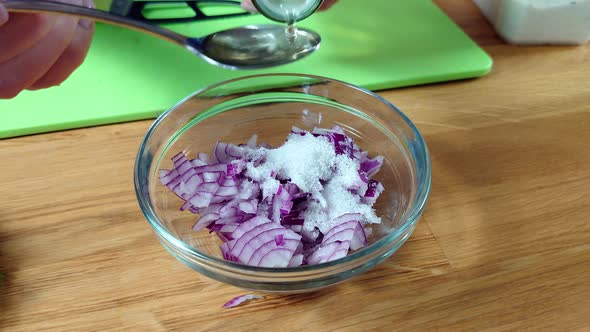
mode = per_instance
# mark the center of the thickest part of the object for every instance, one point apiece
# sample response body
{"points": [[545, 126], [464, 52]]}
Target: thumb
{"points": [[247, 5], [3, 14]]}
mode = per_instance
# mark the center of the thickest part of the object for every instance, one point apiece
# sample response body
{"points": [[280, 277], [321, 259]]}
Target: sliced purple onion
{"points": [[189, 206], [281, 204], [225, 152], [226, 252], [296, 260], [292, 218], [268, 231], [225, 237], [199, 199], [206, 187], [363, 177], [204, 158], [232, 219], [167, 177], [361, 185], [372, 166], [257, 242], [251, 224], [375, 188], [213, 227], [227, 191], [347, 234], [347, 217], [276, 258], [184, 167], [205, 220], [229, 210], [321, 131], [298, 131], [249, 207], [270, 254], [235, 167], [211, 168], [329, 252], [338, 130], [342, 144], [236, 301], [225, 232], [190, 185], [310, 236], [351, 231], [279, 239], [209, 177], [252, 141], [211, 208], [198, 162], [292, 189], [249, 190]]}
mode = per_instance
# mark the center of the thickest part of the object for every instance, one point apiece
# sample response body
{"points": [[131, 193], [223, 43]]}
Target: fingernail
{"points": [[3, 15], [86, 23]]}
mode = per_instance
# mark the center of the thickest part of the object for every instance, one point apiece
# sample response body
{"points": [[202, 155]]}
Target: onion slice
{"points": [[236, 301]]}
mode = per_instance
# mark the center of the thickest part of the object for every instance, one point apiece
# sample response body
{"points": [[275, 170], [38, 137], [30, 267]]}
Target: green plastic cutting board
{"points": [[127, 76]]}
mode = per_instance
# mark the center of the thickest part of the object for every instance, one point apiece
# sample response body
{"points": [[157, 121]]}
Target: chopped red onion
{"points": [[268, 227], [209, 177], [252, 141], [204, 158], [372, 166], [329, 252], [296, 260], [236, 301], [374, 189], [205, 220], [250, 206], [279, 239]]}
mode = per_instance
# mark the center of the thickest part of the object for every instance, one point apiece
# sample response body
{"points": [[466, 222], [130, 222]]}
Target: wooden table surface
{"points": [[504, 243]]}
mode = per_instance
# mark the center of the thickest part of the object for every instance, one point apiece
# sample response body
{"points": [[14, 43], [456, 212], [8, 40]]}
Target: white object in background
{"points": [[539, 21]]}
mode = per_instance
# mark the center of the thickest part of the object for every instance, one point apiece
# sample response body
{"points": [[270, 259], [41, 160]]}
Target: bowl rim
{"points": [[415, 213]]}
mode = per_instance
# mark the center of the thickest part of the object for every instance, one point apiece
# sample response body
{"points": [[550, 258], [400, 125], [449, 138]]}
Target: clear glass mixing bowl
{"points": [[269, 105]]}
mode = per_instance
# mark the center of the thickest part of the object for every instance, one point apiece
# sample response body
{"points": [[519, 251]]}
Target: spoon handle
{"points": [[51, 7]]}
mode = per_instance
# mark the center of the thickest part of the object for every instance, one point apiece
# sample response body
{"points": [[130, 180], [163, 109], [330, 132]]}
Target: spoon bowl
{"points": [[256, 46], [246, 47]]}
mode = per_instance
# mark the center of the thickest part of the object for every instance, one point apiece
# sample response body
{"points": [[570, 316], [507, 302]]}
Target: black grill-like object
{"points": [[134, 10]]}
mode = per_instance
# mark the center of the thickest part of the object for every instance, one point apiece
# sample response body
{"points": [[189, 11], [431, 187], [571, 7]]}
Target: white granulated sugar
{"points": [[255, 154], [305, 160], [259, 173], [270, 187], [346, 171], [339, 201]]}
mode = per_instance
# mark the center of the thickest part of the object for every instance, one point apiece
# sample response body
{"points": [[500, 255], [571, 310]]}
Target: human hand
{"points": [[39, 51]]}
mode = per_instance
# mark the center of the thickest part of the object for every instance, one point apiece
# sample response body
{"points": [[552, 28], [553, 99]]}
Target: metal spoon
{"points": [[246, 47]]}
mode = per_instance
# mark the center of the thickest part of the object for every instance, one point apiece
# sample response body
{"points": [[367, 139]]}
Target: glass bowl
{"points": [[269, 105]]}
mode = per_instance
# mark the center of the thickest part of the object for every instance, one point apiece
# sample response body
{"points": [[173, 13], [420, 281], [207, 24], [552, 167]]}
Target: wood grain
{"points": [[504, 243]]}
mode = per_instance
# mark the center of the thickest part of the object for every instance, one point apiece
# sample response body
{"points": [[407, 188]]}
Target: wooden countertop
{"points": [[504, 243]]}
